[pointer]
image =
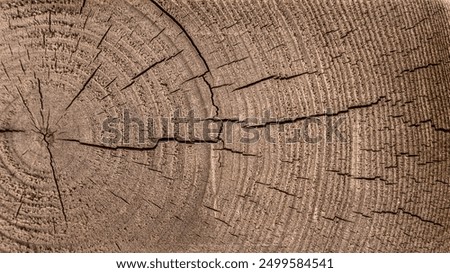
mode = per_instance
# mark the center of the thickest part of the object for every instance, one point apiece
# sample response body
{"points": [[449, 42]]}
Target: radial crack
{"points": [[104, 36], [33, 119], [274, 77], [254, 83], [7, 130], [83, 87], [41, 100], [83, 4], [55, 179], [153, 65], [296, 119], [155, 145]]}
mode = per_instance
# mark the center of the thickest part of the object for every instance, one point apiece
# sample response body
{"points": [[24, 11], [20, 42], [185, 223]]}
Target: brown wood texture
{"points": [[378, 69]]}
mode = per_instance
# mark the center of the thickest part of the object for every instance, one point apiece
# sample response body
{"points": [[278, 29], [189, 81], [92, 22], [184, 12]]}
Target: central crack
{"points": [[48, 138]]}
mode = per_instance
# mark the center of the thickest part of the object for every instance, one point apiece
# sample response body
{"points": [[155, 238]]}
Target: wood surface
{"points": [[379, 70]]}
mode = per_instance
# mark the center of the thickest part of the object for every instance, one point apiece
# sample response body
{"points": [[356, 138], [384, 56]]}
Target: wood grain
{"points": [[377, 69]]}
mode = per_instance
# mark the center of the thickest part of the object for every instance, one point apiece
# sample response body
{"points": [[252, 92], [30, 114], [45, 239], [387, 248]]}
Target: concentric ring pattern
{"points": [[318, 126]]}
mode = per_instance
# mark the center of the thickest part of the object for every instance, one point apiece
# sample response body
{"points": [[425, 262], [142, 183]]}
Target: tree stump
{"points": [[318, 126]]}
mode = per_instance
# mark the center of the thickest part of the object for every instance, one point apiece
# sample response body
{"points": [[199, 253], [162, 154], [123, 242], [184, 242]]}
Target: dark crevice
{"points": [[433, 126], [20, 206], [87, 18], [155, 64], [82, 6], [133, 148], [444, 130], [365, 178], [134, 78], [157, 35], [101, 146], [221, 85], [337, 219], [400, 210], [21, 66], [236, 152], [33, 119], [118, 247], [284, 192], [232, 62], [442, 182], [419, 68], [84, 86], [362, 214], [216, 108], [55, 179], [41, 100], [371, 178], [254, 83], [184, 31], [347, 33], [127, 86], [149, 167], [5, 70], [220, 220], [103, 37], [50, 21], [111, 82], [296, 75], [221, 122], [153, 203], [274, 77], [7, 130], [193, 78], [191, 41], [296, 119], [420, 218], [211, 208], [119, 197]]}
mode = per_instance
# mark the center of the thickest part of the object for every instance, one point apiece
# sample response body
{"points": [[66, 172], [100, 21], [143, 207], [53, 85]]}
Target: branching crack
{"points": [[184, 31], [205, 63]]}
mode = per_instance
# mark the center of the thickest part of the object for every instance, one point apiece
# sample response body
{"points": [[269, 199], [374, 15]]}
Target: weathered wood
{"points": [[375, 71]]}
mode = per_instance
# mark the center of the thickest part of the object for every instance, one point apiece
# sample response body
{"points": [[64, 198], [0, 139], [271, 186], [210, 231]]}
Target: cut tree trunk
{"points": [[318, 126]]}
